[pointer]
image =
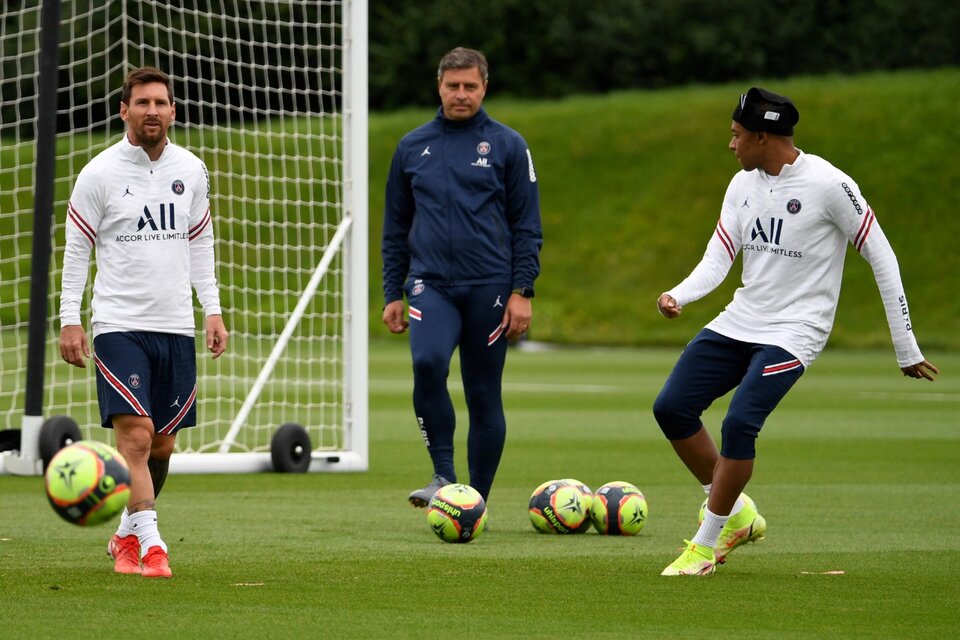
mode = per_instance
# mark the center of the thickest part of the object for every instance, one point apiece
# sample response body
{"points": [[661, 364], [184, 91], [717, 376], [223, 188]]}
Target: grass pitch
{"points": [[857, 473]]}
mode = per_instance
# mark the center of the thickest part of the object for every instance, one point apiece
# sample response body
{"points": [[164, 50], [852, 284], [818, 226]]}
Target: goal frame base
{"points": [[255, 462]]}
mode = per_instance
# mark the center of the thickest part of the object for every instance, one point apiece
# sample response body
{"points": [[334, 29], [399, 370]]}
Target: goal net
{"points": [[271, 94]]}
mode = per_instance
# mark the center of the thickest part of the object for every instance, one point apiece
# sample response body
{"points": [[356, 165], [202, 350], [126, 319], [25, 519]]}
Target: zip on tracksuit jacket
{"points": [[462, 207]]}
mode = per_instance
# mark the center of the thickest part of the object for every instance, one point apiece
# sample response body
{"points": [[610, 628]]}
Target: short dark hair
{"points": [[462, 58], [145, 75]]}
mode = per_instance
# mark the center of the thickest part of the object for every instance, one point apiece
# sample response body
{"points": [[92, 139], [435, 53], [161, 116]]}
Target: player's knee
{"points": [[482, 398], [161, 447], [431, 368], [739, 439], [134, 436], [675, 422]]}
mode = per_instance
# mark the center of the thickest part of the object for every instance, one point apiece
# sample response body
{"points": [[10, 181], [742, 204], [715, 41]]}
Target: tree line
{"points": [[559, 47], [537, 49]]}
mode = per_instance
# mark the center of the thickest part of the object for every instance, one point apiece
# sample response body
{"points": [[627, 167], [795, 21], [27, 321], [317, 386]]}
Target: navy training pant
{"points": [[443, 319]]}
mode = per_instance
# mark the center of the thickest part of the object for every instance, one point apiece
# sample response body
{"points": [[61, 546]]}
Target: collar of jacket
{"points": [[477, 118]]}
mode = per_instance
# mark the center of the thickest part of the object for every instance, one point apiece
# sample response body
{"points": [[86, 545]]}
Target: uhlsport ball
{"points": [[87, 483], [457, 513], [619, 509], [560, 506], [587, 492]]}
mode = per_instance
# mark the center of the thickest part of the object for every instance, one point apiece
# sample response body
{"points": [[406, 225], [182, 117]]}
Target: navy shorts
{"points": [[147, 374], [710, 367]]}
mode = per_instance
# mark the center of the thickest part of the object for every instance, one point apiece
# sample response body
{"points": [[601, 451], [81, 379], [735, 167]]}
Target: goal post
{"points": [[272, 95]]}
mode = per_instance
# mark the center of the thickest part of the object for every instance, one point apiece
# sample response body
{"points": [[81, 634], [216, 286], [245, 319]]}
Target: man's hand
{"points": [[517, 316], [74, 348], [393, 317], [217, 336], [921, 370], [668, 307]]}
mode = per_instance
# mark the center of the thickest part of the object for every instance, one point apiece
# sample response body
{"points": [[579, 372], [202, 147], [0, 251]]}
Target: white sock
{"points": [[144, 525], [739, 504], [709, 529], [124, 529]]}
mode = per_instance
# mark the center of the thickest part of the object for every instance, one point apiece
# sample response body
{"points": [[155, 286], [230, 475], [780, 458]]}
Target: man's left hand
{"points": [[517, 316], [217, 336]]}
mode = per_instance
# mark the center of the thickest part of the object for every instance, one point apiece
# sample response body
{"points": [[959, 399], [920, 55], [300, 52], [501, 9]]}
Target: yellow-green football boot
{"points": [[746, 526], [696, 560]]}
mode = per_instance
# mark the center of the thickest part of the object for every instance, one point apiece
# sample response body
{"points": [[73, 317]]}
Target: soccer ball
{"points": [[87, 483], [619, 509], [561, 506], [457, 513], [587, 492]]}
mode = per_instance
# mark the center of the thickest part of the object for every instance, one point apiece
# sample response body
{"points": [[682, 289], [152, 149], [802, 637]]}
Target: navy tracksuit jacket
{"points": [[462, 207], [461, 230]]}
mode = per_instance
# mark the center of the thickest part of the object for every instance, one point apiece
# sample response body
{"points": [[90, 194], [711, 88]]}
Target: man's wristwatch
{"points": [[526, 292]]}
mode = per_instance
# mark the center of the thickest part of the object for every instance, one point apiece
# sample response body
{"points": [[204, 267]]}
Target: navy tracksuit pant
{"points": [[443, 319]]}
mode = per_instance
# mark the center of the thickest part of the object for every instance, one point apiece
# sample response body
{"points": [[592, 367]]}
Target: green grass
{"points": [[857, 472]]}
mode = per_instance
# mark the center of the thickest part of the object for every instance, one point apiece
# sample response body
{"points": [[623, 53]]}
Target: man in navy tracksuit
{"points": [[461, 238]]}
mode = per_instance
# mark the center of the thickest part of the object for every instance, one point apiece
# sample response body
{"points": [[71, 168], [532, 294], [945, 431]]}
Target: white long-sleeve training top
{"points": [[150, 224], [793, 229]]}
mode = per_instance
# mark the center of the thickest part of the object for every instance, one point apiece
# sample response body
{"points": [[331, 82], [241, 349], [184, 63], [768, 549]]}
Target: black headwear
{"points": [[762, 110]]}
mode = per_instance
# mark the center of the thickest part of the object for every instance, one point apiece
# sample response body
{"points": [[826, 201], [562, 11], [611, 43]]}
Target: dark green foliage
{"points": [[536, 49], [563, 47]]}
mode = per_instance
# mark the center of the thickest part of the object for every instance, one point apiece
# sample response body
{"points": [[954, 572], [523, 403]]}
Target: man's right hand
{"points": [[393, 317], [73, 345], [667, 306]]}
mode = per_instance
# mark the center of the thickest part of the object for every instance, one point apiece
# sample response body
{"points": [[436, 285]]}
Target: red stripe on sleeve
{"points": [[197, 229], [725, 239], [82, 225], [864, 230]]}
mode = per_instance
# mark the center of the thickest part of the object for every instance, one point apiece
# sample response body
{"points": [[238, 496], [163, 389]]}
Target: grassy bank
{"points": [[631, 186]]}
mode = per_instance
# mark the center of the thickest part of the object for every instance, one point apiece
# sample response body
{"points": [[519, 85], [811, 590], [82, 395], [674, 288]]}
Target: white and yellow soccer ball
{"points": [[619, 509], [457, 513], [561, 506], [87, 483]]}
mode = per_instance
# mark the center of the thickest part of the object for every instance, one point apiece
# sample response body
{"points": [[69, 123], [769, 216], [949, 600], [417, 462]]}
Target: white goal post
{"points": [[272, 95]]}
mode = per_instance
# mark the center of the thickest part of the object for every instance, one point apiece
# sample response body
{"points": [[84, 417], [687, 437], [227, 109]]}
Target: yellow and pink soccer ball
{"points": [[457, 513], [619, 509], [87, 483], [561, 506]]}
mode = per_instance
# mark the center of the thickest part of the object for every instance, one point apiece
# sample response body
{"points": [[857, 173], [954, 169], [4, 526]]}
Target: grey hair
{"points": [[462, 58]]}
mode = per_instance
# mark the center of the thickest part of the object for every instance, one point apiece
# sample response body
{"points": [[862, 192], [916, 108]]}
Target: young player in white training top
{"points": [[143, 204], [791, 214]]}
